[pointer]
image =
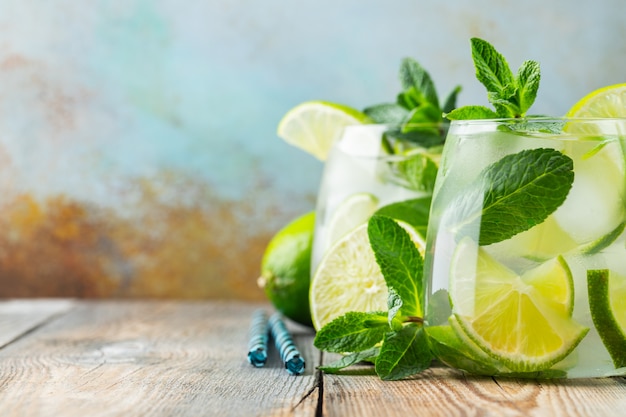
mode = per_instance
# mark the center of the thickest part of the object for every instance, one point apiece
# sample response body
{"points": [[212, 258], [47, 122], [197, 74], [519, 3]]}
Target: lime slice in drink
{"points": [[313, 126], [352, 212], [608, 101], [607, 292], [524, 320], [349, 279]]}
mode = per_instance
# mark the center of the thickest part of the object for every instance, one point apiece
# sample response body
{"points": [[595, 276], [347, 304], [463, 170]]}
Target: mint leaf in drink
{"points": [[354, 331], [403, 353], [414, 212], [513, 194], [419, 171], [350, 359], [400, 262], [511, 95]]}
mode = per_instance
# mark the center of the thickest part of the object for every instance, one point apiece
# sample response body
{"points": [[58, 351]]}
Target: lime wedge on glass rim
{"points": [[522, 320], [609, 101], [313, 126], [349, 279]]}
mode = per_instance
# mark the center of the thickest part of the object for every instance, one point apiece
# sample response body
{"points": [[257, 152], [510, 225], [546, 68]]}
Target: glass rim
{"points": [[399, 124], [539, 119]]}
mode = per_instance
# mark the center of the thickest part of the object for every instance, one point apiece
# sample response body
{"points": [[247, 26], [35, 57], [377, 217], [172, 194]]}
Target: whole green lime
{"points": [[286, 269]]}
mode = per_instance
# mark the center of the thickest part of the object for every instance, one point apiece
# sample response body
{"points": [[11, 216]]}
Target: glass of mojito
{"points": [[366, 169], [525, 255]]}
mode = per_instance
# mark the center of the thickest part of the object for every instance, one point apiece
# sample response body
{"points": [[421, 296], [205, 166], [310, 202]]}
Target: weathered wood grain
{"points": [[150, 359], [445, 392], [170, 358], [18, 317]]}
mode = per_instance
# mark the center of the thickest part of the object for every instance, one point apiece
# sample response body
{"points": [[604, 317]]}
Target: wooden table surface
{"points": [[171, 358]]}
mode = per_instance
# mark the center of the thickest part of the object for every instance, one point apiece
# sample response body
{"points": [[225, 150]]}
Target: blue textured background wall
{"points": [[137, 137]]}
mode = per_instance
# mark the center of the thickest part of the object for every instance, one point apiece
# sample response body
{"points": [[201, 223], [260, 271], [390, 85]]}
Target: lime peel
{"points": [[607, 291]]}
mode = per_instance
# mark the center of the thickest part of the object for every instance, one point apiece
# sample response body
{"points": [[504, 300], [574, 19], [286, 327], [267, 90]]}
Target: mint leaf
{"points": [[424, 137], [419, 171], [414, 212], [388, 113], [354, 331], [439, 308], [394, 304], [450, 102], [528, 77], [400, 262], [348, 360], [416, 79], [492, 70], [403, 353], [513, 194], [424, 113], [510, 95], [471, 113]]}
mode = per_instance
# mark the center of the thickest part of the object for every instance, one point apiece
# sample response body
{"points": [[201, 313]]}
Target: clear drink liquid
{"points": [[357, 166], [586, 232]]}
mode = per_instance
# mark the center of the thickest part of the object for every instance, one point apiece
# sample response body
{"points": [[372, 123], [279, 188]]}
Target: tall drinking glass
{"points": [[526, 251], [363, 172]]}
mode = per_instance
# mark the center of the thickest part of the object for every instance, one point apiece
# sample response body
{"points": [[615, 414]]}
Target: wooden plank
{"points": [[445, 392], [150, 359], [18, 317]]}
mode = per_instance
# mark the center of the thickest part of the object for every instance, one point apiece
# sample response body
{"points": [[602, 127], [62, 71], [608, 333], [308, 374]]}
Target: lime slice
{"points": [[524, 320], [352, 212], [313, 126], [608, 101], [607, 292], [349, 279]]}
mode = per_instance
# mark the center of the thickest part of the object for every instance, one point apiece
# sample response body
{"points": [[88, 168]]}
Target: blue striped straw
{"points": [[257, 344], [294, 363]]}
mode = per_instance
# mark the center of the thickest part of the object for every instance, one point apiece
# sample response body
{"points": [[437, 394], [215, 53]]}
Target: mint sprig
{"points": [[417, 104], [394, 340], [511, 95]]}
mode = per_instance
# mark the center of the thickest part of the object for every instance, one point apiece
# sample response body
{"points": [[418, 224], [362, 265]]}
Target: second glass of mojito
{"points": [[526, 248], [365, 171]]}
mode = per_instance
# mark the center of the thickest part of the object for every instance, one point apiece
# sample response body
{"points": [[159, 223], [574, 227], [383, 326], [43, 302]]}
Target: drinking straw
{"points": [[294, 362], [257, 344]]}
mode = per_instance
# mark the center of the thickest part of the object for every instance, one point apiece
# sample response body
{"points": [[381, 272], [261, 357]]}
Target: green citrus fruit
{"points": [[286, 269]]}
